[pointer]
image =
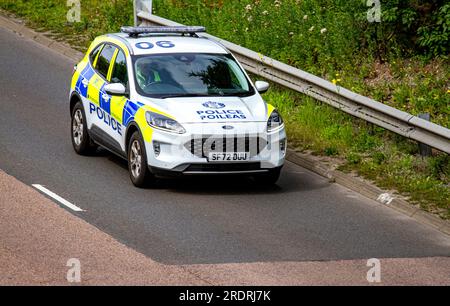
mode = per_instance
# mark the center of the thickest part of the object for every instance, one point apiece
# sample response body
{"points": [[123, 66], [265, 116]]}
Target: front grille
{"points": [[230, 167], [202, 146]]}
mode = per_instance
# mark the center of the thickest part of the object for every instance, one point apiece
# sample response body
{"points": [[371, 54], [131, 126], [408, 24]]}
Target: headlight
{"points": [[164, 123], [275, 122]]}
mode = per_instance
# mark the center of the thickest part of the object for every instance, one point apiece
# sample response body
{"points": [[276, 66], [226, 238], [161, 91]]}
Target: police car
{"points": [[172, 102]]}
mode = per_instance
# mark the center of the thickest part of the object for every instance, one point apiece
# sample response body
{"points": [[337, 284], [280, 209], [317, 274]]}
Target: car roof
{"points": [[148, 44]]}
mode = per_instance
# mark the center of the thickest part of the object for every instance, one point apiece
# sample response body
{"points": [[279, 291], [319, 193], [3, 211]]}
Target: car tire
{"points": [[269, 178], [137, 162], [81, 141]]}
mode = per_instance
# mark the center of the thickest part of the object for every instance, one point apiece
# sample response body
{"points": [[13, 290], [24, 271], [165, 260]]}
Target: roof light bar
{"points": [[135, 31]]}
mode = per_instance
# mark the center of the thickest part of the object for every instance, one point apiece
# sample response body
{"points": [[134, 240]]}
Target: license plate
{"points": [[236, 156]]}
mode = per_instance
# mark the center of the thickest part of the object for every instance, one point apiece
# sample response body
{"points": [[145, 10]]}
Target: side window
{"points": [[119, 74], [104, 59], [94, 53]]}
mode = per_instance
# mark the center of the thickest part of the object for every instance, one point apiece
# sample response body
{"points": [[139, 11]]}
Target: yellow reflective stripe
{"points": [[139, 118], [146, 130], [156, 76], [111, 65], [96, 57], [270, 109], [80, 67], [75, 78], [117, 106], [95, 84]]}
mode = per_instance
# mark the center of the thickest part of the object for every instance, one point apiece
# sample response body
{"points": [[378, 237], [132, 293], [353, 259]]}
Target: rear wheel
{"points": [[81, 141], [137, 162], [269, 178]]}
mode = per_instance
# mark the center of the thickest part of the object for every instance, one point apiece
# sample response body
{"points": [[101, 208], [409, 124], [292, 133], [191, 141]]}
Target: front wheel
{"points": [[137, 162]]}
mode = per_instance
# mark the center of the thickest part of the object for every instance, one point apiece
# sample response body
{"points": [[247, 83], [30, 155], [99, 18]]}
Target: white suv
{"points": [[171, 102]]}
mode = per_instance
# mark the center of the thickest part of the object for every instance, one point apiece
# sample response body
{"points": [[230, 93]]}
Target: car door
{"points": [[118, 74], [99, 100]]}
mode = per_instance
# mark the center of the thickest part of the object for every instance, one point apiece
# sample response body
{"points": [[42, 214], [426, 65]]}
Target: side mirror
{"points": [[262, 86], [115, 89]]}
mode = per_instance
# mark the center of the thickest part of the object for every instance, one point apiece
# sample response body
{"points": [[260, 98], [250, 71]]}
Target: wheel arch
{"points": [[74, 99], [131, 128]]}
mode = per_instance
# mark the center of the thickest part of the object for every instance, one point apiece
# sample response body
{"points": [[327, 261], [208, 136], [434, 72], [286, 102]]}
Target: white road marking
{"points": [[57, 197]]}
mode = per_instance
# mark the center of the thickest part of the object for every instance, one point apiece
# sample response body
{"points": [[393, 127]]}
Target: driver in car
{"points": [[147, 74]]}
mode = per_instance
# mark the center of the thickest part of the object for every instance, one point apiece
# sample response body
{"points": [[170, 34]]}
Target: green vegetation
{"points": [[402, 61], [97, 17], [388, 159], [391, 61]]}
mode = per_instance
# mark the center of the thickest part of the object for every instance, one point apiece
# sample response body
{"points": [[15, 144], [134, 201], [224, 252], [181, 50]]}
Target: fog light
{"points": [[283, 145], [156, 148]]}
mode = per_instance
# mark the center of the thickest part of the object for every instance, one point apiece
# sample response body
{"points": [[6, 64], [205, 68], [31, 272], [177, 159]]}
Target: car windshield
{"points": [[190, 75]]}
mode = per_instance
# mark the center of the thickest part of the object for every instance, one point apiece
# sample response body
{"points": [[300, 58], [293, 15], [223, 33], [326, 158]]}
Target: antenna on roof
{"points": [[136, 31]]}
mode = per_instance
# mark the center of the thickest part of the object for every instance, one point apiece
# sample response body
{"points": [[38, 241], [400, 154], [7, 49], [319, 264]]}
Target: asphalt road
{"points": [[187, 221]]}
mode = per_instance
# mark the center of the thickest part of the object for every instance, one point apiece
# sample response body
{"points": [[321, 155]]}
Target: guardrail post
{"points": [[141, 6], [425, 150]]}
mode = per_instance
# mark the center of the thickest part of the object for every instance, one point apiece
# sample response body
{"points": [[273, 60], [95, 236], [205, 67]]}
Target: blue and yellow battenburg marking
{"points": [[104, 99], [83, 81], [114, 121], [107, 119], [130, 110], [113, 111], [116, 112]]}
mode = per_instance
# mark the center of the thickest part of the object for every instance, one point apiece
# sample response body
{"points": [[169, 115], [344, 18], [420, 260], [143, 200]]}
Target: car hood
{"points": [[212, 109]]}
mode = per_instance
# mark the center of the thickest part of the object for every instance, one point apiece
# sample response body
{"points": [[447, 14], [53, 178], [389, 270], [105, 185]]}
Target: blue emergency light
{"points": [[136, 31]]}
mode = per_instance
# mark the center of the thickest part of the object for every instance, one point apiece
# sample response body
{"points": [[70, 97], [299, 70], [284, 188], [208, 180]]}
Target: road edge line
{"points": [[57, 198]]}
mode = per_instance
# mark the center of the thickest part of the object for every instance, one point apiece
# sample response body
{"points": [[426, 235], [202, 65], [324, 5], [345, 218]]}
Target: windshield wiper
{"points": [[238, 94], [182, 96], [186, 95]]}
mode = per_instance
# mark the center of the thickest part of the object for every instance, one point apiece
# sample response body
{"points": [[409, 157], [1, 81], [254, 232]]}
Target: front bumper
{"points": [[187, 154]]}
